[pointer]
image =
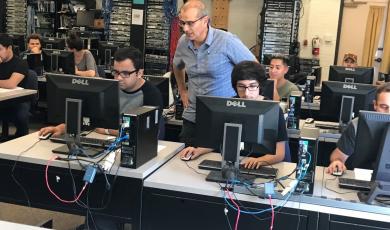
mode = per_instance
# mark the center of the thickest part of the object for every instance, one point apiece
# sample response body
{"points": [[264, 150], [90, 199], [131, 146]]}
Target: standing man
{"points": [[13, 73], [278, 68], [208, 55]]}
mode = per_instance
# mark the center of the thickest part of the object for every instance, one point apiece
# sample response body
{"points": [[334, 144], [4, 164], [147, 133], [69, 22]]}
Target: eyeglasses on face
{"points": [[124, 74], [242, 88], [189, 23]]}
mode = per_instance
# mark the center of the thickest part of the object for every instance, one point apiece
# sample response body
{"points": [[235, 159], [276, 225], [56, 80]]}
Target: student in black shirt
{"points": [[247, 78], [13, 73]]}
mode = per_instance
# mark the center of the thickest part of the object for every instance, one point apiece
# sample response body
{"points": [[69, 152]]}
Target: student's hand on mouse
{"points": [[55, 130], [336, 166], [252, 163], [188, 151]]}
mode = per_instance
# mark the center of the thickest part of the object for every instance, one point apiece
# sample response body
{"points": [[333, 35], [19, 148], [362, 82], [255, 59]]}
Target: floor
{"points": [[34, 216]]}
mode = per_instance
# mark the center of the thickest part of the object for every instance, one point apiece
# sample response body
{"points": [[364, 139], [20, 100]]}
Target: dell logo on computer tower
{"points": [[235, 104], [346, 86], [80, 81]]}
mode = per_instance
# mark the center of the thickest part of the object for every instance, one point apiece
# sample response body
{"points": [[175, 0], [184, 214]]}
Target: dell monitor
{"points": [[362, 75], [54, 43], [82, 103], [58, 61], [162, 83], [106, 53], [223, 123], [352, 96], [372, 151]]}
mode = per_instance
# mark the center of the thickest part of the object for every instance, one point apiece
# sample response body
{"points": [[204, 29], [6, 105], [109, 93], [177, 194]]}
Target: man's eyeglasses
{"points": [[124, 74], [189, 23], [242, 88]]}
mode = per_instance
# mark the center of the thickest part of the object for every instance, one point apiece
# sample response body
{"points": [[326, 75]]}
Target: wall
{"points": [[243, 18], [320, 18]]}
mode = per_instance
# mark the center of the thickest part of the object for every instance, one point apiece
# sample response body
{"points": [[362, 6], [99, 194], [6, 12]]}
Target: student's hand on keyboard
{"points": [[336, 165], [252, 163]]}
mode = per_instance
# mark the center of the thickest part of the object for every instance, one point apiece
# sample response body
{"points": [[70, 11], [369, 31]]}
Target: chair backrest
{"points": [[32, 83], [101, 72]]}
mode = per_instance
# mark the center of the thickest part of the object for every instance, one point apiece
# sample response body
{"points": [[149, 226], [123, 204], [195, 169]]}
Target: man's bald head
{"points": [[195, 4]]}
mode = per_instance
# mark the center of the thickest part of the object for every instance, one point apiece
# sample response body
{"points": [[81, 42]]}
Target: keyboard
{"points": [[354, 184], [264, 172], [326, 125], [86, 141]]}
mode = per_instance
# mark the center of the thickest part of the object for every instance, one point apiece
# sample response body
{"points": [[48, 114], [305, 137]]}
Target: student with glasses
{"points": [[208, 56], [247, 78], [134, 91]]}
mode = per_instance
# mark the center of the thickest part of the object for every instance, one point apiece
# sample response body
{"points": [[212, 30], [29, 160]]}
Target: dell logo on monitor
{"points": [[346, 86], [80, 81], [235, 104]]}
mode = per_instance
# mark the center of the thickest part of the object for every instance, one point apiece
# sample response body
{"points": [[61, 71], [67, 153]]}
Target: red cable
{"points": [[238, 209], [52, 192], [273, 213]]}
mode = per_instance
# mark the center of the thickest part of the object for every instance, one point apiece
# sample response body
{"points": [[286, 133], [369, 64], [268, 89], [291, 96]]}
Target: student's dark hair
{"points": [[74, 42], [5, 40], [284, 59], [35, 37], [248, 70], [131, 53], [385, 88]]}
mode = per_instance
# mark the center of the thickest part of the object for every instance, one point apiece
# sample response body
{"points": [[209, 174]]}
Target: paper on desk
{"points": [[160, 147], [3, 90], [362, 174]]}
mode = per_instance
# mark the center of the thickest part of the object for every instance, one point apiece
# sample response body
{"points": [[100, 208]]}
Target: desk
{"points": [[126, 194], [9, 97], [176, 197], [15, 226]]}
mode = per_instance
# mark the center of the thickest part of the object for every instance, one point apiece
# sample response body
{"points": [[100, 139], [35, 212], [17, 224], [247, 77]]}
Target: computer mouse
{"points": [[186, 157], [45, 137], [309, 120], [337, 172]]}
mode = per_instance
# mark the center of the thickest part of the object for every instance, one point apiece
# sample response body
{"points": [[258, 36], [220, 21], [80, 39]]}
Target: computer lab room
{"points": [[195, 114]]}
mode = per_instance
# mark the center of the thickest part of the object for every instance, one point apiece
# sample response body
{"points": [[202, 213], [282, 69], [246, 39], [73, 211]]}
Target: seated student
{"points": [[34, 45], [83, 58], [350, 60], [247, 77], [341, 158], [134, 92], [278, 68], [13, 73]]}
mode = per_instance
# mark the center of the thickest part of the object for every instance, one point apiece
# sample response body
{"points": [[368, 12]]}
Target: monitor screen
{"points": [[371, 144], [54, 43], [162, 83], [106, 52], [58, 61], [100, 99], [363, 75], [85, 18], [259, 120], [19, 41], [333, 92]]}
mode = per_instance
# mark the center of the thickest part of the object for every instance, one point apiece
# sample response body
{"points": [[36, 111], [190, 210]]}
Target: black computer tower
{"points": [[141, 126]]}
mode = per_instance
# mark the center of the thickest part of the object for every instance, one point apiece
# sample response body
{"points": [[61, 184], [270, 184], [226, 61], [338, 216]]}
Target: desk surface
{"points": [[11, 94], [15, 226], [40, 153], [177, 176]]}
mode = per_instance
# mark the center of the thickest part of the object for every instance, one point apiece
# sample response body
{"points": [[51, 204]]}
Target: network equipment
{"points": [[363, 75], [85, 18], [53, 43], [82, 103], [141, 126], [222, 123], [58, 61], [372, 150], [332, 108]]}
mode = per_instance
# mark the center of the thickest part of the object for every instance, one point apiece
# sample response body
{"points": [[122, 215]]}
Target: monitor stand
{"points": [[216, 176], [378, 188], [82, 152]]}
